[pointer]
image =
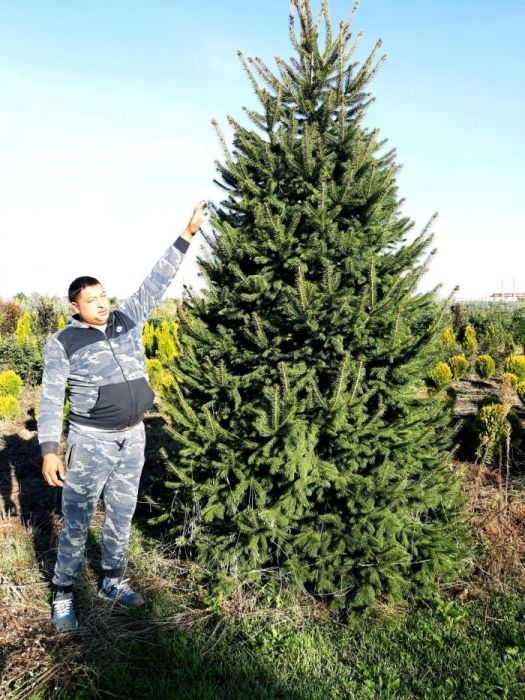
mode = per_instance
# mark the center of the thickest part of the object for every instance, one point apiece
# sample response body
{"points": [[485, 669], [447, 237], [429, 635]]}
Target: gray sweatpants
{"points": [[99, 463]]}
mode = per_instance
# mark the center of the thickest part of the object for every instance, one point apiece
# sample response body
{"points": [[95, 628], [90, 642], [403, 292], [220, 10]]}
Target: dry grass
{"points": [[29, 643], [496, 512], [34, 656]]}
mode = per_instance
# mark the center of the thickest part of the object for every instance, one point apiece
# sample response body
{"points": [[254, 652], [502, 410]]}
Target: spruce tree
{"points": [[309, 450]]}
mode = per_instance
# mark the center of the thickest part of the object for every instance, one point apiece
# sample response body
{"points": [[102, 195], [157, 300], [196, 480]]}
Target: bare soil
{"points": [[471, 391]]}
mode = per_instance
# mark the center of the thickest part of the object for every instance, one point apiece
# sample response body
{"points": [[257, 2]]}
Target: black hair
{"points": [[78, 284]]}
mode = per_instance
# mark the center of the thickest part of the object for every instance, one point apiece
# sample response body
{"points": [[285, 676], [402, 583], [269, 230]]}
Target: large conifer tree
{"points": [[307, 447]]}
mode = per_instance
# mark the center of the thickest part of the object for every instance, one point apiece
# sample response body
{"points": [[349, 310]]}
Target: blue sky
{"points": [[106, 142]]}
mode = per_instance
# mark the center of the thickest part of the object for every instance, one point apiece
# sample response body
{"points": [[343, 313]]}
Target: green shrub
{"points": [[500, 327], [520, 389], [519, 327], [510, 379], [459, 365], [516, 365], [9, 407], [10, 384], [494, 339], [485, 366], [470, 341], [441, 375], [27, 359]]}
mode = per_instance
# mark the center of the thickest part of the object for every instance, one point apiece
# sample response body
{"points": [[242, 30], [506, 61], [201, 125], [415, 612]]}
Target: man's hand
{"points": [[196, 221], [53, 470]]}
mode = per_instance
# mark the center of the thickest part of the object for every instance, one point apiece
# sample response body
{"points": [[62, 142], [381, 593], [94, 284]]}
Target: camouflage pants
{"points": [[99, 463]]}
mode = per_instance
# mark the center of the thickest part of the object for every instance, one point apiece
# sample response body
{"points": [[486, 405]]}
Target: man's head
{"points": [[89, 300]]}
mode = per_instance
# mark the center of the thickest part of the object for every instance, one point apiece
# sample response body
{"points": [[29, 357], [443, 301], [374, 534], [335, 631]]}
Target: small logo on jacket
{"points": [[119, 328]]}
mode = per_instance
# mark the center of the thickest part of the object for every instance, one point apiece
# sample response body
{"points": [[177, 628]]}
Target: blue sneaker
{"points": [[118, 591], [64, 618]]}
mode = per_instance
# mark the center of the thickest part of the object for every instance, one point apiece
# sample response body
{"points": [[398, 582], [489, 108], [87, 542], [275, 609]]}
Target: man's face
{"points": [[92, 305]]}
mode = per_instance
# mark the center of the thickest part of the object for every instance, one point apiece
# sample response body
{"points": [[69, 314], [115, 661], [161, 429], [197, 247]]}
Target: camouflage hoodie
{"points": [[105, 371]]}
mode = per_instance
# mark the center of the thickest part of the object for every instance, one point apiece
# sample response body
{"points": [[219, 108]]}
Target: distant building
{"points": [[507, 296]]}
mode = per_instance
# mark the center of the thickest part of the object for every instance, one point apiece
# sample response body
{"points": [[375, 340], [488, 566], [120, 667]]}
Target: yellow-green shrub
{"points": [[168, 380], [520, 390], [493, 416], [166, 348], [516, 365], [161, 342], [23, 328], [155, 372], [10, 384], [485, 366], [510, 379], [61, 323], [160, 379], [470, 341], [448, 337], [495, 430], [9, 407], [148, 339], [459, 365], [510, 343], [441, 375]]}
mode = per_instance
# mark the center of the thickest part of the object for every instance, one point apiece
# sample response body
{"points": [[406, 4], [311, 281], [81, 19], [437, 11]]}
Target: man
{"points": [[99, 356]]}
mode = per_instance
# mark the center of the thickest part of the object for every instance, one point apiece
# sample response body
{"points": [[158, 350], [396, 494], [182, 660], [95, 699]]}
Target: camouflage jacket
{"points": [[105, 371]]}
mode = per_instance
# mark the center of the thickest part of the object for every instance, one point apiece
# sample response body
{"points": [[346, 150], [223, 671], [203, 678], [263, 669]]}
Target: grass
{"points": [[454, 651], [182, 644], [178, 648]]}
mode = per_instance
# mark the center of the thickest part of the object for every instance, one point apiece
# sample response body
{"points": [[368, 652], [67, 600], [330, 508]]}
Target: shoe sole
{"points": [[115, 601], [65, 629]]}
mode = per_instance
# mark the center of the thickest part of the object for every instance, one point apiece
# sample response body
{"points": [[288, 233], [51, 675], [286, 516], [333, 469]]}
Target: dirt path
{"points": [[473, 390]]}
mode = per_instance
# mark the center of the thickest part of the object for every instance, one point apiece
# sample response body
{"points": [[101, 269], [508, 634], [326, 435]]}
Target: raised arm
{"points": [[150, 292]]}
